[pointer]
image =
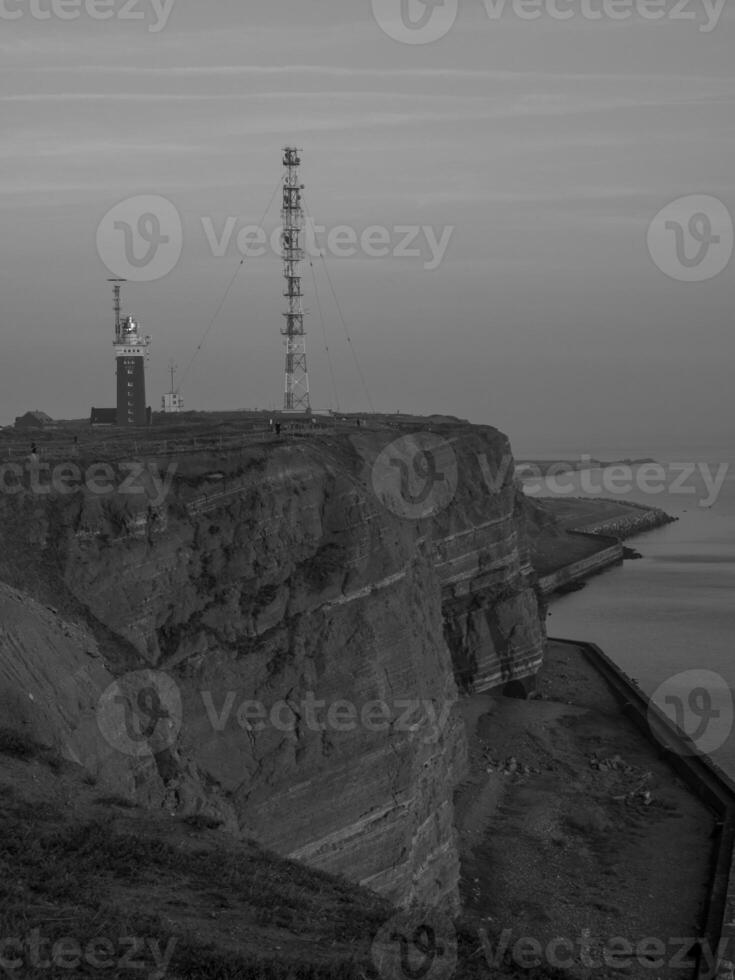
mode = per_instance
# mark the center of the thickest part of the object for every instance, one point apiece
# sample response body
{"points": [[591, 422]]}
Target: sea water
{"points": [[668, 619]]}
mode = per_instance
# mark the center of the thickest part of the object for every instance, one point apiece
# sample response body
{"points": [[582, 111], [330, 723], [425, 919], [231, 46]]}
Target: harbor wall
{"points": [[706, 780]]}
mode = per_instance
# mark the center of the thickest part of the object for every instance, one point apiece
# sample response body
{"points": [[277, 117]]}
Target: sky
{"points": [[529, 157]]}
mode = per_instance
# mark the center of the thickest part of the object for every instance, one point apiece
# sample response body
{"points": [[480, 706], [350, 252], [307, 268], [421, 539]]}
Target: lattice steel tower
{"points": [[296, 393]]}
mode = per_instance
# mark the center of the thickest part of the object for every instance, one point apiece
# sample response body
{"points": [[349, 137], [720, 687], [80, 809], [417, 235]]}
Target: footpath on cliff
{"points": [[580, 848]]}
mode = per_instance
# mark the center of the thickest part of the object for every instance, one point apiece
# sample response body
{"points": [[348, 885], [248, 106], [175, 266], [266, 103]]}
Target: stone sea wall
{"points": [[625, 526], [610, 553]]}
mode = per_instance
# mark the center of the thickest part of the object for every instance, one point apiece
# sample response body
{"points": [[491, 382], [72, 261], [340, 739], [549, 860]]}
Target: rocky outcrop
{"points": [[312, 608], [629, 525], [53, 679]]}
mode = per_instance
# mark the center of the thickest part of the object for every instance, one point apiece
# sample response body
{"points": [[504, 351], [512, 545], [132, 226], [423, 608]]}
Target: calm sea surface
{"points": [[668, 618]]}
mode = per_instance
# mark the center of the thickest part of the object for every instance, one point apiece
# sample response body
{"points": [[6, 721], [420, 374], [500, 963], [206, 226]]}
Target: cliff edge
{"points": [[277, 633]]}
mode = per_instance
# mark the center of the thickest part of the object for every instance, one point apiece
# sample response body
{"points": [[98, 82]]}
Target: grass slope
{"points": [[92, 886]]}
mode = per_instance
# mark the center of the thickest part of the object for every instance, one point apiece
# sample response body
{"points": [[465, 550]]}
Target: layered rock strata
{"points": [[316, 605]]}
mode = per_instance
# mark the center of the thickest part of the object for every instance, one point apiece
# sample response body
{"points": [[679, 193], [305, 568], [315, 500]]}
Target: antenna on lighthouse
{"points": [[116, 285], [296, 391]]}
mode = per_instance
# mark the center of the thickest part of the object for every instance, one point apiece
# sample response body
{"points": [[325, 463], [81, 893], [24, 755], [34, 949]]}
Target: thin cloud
{"points": [[471, 74]]}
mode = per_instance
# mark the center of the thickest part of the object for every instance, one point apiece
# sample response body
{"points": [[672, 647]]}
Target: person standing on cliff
{"points": [[34, 467]]}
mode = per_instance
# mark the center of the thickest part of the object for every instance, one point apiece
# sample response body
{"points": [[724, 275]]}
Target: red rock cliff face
{"points": [[317, 617]]}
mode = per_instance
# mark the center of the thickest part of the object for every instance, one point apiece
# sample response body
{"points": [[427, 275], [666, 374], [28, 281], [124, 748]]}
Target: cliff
{"points": [[289, 624]]}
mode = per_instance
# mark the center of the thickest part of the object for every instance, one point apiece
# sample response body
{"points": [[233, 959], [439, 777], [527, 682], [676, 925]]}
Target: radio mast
{"points": [[296, 391]]}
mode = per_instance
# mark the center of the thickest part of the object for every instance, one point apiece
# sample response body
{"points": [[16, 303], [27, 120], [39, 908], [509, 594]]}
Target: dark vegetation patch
{"points": [[115, 800], [325, 563], [94, 880], [20, 746], [200, 821]]}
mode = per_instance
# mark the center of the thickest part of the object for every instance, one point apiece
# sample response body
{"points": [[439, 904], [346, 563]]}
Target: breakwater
{"points": [[605, 535], [622, 526], [610, 553]]}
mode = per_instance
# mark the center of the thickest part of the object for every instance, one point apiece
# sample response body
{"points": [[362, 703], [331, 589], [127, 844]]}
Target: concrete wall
{"points": [[610, 553], [706, 780]]}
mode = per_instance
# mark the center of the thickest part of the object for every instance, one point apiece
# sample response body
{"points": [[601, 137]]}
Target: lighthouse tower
{"points": [[131, 351]]}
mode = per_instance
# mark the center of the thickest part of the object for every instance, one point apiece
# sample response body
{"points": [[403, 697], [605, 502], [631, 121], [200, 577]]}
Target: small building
{"points": [[103, 416], [172, 403], [33, 420]]}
